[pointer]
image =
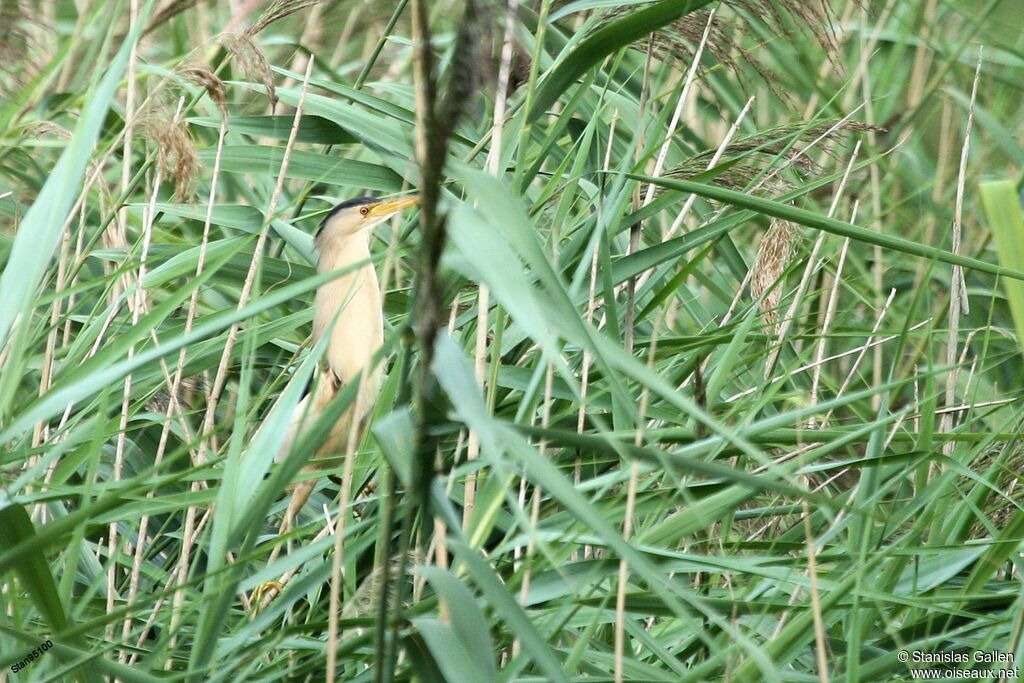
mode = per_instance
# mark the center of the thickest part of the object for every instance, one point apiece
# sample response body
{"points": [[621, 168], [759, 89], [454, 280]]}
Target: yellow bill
{"points": [[391, 206]]}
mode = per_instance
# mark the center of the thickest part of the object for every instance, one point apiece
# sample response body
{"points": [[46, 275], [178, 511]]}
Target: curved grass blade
{"points": [[836, 227], [462, 648], [1002, 208], [604, 41], [40, 230], [30, 566]]}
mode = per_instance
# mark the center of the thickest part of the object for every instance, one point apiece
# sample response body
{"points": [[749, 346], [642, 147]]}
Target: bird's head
{"points": [[360, 215]]}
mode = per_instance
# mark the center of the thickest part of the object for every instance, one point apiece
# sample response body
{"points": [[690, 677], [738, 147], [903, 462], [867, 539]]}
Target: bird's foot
{"points": [[265, 593]]}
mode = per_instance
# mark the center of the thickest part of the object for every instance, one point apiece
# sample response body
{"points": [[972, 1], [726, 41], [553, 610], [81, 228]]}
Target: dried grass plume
{"points": [[176, 154], [277, 11], [206, 79], [251, 60], [773, 256], [748, 156]]}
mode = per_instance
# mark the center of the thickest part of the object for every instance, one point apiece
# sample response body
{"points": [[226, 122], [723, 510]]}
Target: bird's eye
{"points": [[365, 210]]}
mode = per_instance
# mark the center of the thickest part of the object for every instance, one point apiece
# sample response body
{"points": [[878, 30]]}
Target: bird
{"points": [[349, 309]]}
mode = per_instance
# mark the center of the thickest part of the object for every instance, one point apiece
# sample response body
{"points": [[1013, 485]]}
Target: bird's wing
{"points": [[309, 410]]}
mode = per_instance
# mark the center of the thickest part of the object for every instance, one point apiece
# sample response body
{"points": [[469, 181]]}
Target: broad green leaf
{"points": [[836, 227], [237, 216], [395, 433], [266, 161], [453, 372], [312, 129], [1002, 209], [40, 230], [462, 646], [58, 398], [610, 37], [31, 567]]}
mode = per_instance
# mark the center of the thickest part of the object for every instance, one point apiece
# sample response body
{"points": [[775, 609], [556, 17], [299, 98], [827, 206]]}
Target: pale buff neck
{"points": [[343, 250]]}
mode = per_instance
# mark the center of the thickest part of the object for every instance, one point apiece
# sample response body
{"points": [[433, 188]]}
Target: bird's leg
{"points": [[264, 593], [325, 391], [300, 496], [303, 490]]}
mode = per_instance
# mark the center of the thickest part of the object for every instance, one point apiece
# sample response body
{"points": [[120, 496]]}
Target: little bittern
{"points": [[349, 309]]}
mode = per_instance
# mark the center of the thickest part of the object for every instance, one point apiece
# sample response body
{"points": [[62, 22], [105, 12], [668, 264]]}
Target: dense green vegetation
{"points": [[727, 375]]}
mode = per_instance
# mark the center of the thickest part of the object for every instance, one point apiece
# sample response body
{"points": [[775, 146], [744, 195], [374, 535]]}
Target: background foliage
{"points": [[729, 376]]}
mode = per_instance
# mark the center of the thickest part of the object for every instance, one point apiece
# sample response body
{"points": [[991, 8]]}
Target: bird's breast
{"points": [[349, 310]]}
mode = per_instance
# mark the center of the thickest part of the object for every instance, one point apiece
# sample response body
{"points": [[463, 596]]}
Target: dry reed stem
{"points": [[627, 522], [581, 411], [783, 329], [114, 310], [72, 299], [345, 35], [860, 79], [874, 176], [337, 561], [531, 534], [92, 352], [634, 231], [517, 552], [868, 43], [136, 306], [821, 651], [310, 34], [715, 158], [592, 299], [247, 287], [483, 292], [946, 130], [659, 164], [479, 364], [40, 430], [180, 365], [168, 585], [229, 344], [963, 358], [732, 305], [923, 56], [958, 288], [862, 352], [678, 222], [830, 312], [391, 261], [119, 237]]}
